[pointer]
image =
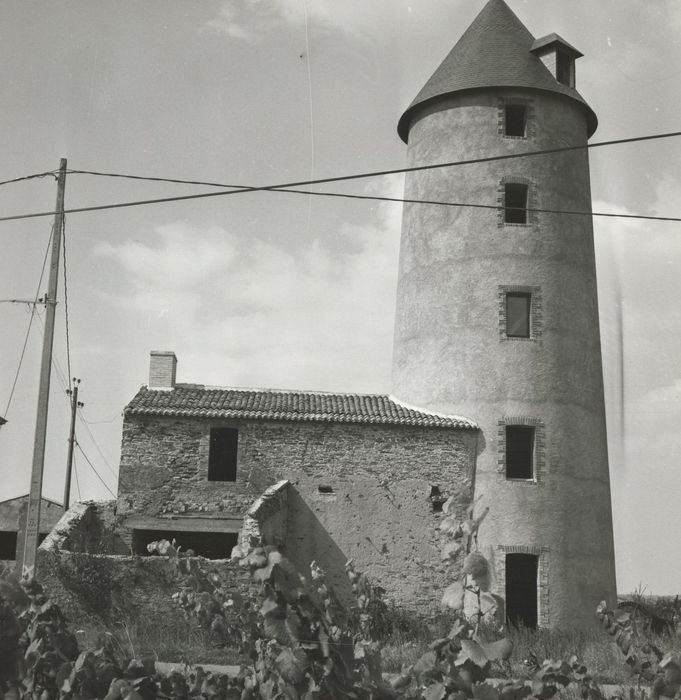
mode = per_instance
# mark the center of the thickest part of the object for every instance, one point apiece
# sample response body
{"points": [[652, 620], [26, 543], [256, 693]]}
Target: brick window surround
{"points": [[530, 121], [539, 448], [536, 320], [542, 554], [532, 201]]}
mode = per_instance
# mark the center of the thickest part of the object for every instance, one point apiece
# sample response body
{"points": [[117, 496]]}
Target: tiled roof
{"points": [[495, 51], [197, 401]]}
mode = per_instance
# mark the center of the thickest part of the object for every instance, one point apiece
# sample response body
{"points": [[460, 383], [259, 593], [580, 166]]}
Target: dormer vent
{"points": [[558, 56]]}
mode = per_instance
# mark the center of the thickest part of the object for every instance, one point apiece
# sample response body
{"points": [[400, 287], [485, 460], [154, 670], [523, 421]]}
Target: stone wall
{"points": [[87, 527], [117, 589], [266, 520], [357, 491], [80, 571]]}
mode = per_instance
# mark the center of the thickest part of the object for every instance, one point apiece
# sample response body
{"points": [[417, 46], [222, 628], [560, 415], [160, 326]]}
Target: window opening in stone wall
{"points": [[211, 545], [515, 120], [519, 452], [515, 203], [565, 66], [437, 499], [222, 454], [8, 545], [518, 306], [521, 589]]}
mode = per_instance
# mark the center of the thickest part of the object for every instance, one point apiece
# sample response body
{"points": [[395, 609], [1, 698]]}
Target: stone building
{"points": [[497, 320], [13, 524], [363, 476]]}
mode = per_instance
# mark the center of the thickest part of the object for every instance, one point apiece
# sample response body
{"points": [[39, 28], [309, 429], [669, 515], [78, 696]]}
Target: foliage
{"points": [[295, 640], [647, 661]]}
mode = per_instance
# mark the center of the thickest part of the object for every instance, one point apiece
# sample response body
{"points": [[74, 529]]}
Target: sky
{"points": [[283, 290]]}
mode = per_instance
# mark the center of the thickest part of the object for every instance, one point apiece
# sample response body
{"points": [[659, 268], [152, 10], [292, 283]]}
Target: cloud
{"points": [[248, 18], [226, 23], [249, 312]]}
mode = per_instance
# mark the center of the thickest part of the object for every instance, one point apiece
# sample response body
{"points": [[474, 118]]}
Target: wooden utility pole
{"points": [[35, 494], [75, 405]]}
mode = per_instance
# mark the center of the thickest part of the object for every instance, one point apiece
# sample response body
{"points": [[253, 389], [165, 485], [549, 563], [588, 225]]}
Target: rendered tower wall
{"points": [[451, 354]]}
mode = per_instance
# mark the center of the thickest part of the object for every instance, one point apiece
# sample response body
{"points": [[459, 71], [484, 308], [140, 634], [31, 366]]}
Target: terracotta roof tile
{"points": [[495, 51], [198, 401]]}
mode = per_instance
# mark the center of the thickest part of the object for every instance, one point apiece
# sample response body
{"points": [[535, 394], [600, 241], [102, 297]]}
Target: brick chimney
{"points": [[162, 366]]}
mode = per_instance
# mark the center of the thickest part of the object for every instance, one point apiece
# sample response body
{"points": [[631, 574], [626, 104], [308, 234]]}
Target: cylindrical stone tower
{"points": [[497, 314]]}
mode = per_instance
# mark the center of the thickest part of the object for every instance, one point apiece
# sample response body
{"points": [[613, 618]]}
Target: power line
{"points": [[94, 470], [395, 171], [94, 442], [30, 322], [66, 300], [288, 187], [75, 472], [402, 200], [29, 177]]}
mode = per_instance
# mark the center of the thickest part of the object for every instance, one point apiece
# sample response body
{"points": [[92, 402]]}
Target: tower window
{"points": [[520, 452], [222, 456], [518, 306], [515, 120], [515, 203], [565, 69]]}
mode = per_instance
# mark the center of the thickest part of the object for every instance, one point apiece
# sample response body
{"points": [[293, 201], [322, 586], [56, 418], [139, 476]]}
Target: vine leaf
{"points": [[484, 691], [450, 550], [453, 596], [472, 651], [291, 664], [499, 650], [437, 691]]}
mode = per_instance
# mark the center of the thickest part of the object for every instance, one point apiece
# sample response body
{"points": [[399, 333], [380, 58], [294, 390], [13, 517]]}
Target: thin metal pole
{"points": [[72, 441], [35, 493]]}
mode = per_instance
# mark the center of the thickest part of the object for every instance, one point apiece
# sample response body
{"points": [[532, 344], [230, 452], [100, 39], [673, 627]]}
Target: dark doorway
{"points": [[211, 545], [8, 545], [521, 589]]}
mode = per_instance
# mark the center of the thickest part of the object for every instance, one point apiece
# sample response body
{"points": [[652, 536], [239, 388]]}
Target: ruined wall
{"points": [[266, 521], [358, 491], [122, 588], [84, 580], [87, 527]]}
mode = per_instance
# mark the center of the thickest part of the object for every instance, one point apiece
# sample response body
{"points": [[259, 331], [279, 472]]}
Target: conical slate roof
{"points": [[495, 51]]}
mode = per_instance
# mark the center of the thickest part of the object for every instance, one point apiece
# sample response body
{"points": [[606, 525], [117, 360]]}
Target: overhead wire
{"points": [[393, 171], [289, 186], [94, 442], [66, 299], [75, 473], [28, 177], [87, 459], [308, 63], [30, 322]]}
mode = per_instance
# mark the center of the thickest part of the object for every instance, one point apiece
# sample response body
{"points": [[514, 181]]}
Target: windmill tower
{"points": [[497, 314]]}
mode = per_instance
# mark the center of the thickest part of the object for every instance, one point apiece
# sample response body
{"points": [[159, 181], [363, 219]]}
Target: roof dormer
{"points": [[558, 56]]}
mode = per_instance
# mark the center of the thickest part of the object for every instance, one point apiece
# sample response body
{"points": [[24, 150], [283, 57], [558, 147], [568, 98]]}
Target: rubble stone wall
{"points": [[368, 492]]}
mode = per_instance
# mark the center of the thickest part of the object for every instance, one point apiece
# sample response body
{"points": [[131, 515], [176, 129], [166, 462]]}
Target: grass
{"points": [[405, 635], [165, 638]]}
